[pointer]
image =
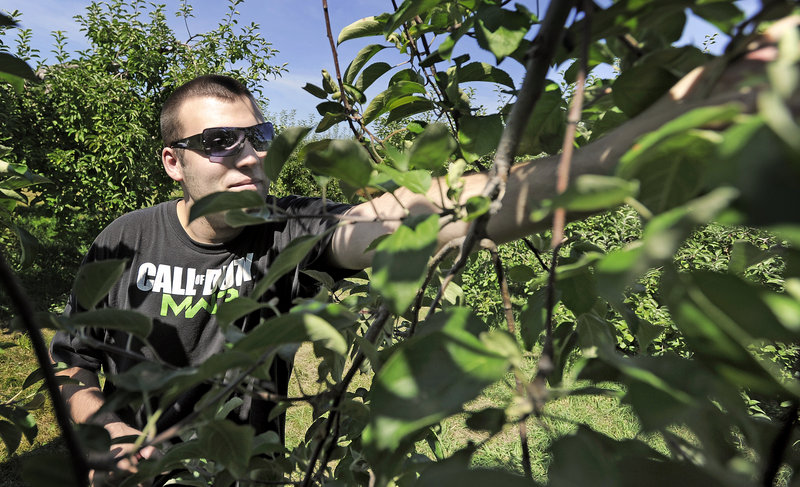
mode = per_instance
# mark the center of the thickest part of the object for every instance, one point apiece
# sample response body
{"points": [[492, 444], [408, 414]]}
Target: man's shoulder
{"points": [[136, 221]]}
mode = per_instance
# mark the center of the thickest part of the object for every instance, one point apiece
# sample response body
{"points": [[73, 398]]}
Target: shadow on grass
{"points": [[11, 468]]}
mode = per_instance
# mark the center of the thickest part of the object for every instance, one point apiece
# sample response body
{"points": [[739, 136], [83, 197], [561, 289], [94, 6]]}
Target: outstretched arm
{"points": [[534, 181]]}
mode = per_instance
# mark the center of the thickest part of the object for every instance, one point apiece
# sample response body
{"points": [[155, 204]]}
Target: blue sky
{"points": [[294, 27]]}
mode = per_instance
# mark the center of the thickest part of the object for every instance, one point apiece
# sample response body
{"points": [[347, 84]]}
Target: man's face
{"points": [[200, 175]]}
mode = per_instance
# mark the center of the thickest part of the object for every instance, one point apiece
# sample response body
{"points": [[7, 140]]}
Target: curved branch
{"points": [[333, 417], [26, 314], [509, 314]]}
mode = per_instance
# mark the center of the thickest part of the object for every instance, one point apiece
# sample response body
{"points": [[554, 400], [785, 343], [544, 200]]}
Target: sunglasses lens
{"points": [[260, 136], [223, 141]]}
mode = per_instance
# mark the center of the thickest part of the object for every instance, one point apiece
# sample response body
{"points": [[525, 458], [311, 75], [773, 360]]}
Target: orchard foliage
{"points": [[92, 125], [710, 369]]}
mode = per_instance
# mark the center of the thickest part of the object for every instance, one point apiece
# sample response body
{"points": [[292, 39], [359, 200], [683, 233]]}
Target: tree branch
{"points": [[371, 335], [509, 314], [538, 389], [539, 57], [22, 303]]}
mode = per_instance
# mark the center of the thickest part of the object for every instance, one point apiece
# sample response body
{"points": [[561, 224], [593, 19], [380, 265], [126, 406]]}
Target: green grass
{"points": [[16, 363]]}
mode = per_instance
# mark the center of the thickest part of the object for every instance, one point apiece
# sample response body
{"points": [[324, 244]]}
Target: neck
{"points": [[210, 229]]}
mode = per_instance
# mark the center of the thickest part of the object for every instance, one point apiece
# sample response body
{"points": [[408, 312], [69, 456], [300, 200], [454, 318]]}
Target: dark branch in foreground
{"points": [[22, 303]]}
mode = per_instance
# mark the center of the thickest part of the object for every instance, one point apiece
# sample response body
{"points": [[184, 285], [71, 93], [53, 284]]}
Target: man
{"points": [[215, 139]]}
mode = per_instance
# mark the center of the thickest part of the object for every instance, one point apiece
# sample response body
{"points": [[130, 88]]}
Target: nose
{"points": [[249, 156]]}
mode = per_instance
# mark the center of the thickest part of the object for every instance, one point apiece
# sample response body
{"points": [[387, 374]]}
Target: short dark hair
{"points": [[208, 85]]}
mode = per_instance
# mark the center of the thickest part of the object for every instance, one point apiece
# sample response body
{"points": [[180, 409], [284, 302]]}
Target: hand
{"points": [[127, 455]]}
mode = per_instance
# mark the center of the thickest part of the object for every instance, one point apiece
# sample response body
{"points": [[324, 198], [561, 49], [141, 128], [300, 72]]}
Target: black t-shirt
{"points": [[180, 284]]}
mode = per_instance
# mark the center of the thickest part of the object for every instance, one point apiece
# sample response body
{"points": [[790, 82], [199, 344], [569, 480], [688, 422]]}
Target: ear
{"points": [[173, 166]]}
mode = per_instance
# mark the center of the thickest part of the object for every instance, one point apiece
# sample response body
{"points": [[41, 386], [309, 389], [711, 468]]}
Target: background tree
{"points": [[92, 126]]}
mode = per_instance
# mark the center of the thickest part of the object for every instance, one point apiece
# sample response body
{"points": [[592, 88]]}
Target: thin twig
{"points": [[536, 252], [512, 329], [546, 360], [26, 314], [371, 335], [779, 446], [344, 99], [539, 55], [175, 429], [432, 266]]}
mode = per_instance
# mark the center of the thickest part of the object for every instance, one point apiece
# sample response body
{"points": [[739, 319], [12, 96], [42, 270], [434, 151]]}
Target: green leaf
{"points": [[672, 172], [479, 135], [287, 260], [398, 92], [779, 118], [370, 74], [11, 436], [368, 26], [640, 86], [365, 54], [432, 148], [418, 181], [533, 318], [477, 206], [223, 201], [478, 71], [28, 245], [289, 328], [241, 218], [412, 106], [594, 333], [231, 311], [229, 444], [38, 471], [328, 84], [22, 420], [281, 148], [501, 31], [407, 11], [545, 130], [316, 91], [116, 319], [344, 159], [95, 280], [329, 120], [588, 193], [744, 307], [330, 107], [401, 260], [744, 255], [15, 66], [722, 15], [427, 378], [442, 473], [149, 377], [578, 291], [720, 338], [13, 195]]}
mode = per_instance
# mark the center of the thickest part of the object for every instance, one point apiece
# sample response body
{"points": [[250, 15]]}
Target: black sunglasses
{"points": [[227, 141]]}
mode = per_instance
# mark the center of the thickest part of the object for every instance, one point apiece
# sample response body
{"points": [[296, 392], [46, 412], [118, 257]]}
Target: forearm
{"points": [[85, 398]]}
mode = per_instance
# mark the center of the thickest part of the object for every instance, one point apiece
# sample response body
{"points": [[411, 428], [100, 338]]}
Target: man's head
{"points": [[209, 85], [214, 102]]}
